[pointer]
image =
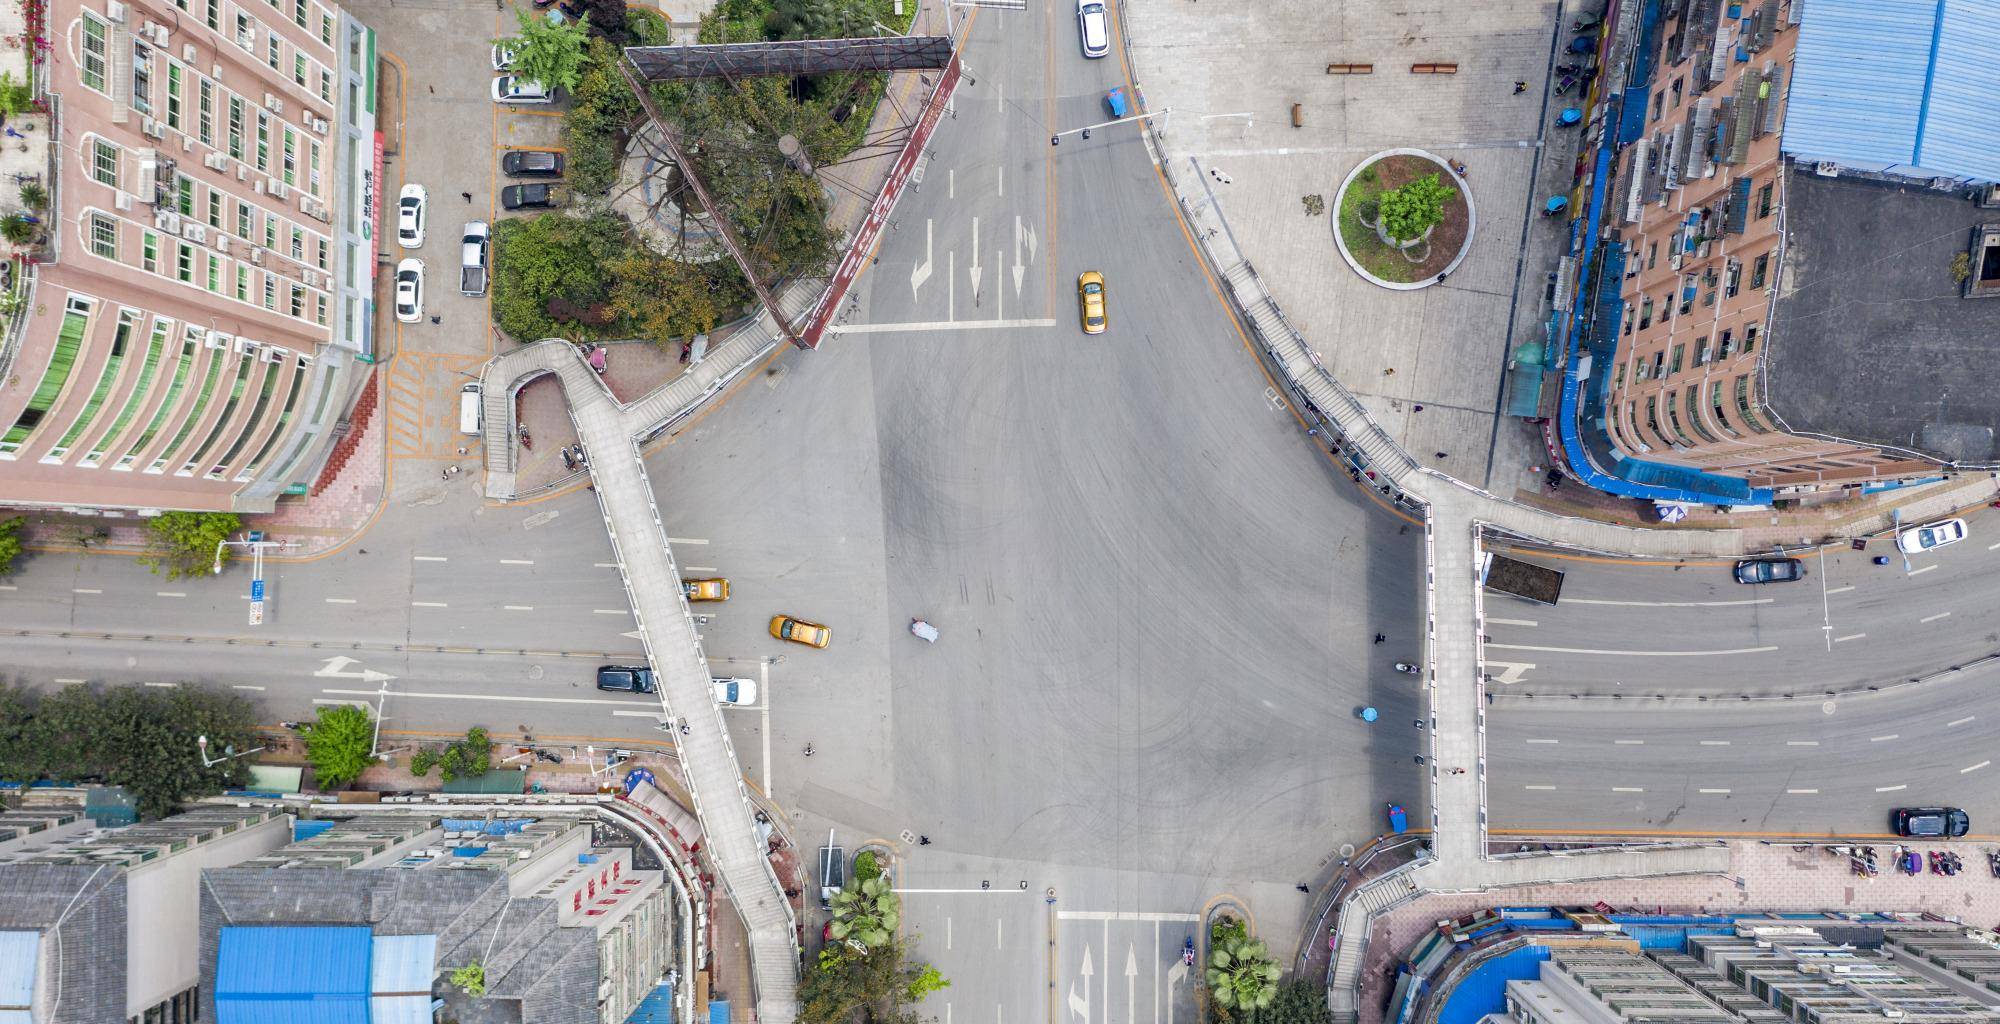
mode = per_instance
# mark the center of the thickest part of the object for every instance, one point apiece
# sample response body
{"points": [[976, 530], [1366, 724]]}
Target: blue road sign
{"points": [[256, 590]]}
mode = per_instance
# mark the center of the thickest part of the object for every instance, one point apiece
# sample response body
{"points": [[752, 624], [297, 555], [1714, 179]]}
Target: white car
{"points": [[735, 691], [411, 206], [503, 57], [1094, 25], [410, 290], [1919, 539], [511, 89]]}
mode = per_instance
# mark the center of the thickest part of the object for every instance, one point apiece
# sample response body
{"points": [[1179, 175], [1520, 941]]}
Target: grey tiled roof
{"points": [[89, 901]]}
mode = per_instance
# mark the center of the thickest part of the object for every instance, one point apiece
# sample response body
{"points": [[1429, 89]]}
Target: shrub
{"points": [[34, 196], [470, 979], [865, 867], [10, 543], [17, 229], [339, 743], [1415, 208], [423, 761]]}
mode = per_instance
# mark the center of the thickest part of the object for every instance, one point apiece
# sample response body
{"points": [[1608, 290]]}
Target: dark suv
{"points": [[1931, 822], [625, 678]]}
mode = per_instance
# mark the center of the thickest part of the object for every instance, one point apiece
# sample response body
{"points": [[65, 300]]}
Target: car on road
{"points": [[1770, 570], [1093, 24], [531, 163], [503, 57], [784, 627], [1931, 822], [716, 589], [1918, 539], [625, 678], [410, 290], [412, 205], [526, 197], [735, 691], [1090, 301], [515, 89]]}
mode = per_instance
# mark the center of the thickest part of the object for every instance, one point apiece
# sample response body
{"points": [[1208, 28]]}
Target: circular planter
{"points": [[1367, 248]]}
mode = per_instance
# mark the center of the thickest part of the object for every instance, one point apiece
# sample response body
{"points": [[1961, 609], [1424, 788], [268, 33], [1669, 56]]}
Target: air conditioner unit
{"points": [[245, 346], [216, 339], [216, 161], [159, 35], [188, 53], [114, 11], [152, 129], [215, 72], [123, 202], [257, 257], [221, 242], [242, 172], [194, 232], [259, 187], [279, 189], [187, 143], [273, 355], [1827, 169], [319, 126]]}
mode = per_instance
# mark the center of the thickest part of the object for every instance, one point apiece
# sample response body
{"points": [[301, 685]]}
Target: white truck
{"points": [[472, 259]]}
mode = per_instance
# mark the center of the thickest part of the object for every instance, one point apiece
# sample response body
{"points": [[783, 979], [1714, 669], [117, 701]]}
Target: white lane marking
{"points": [[1000, 180], [1959, 721], [517, 607], [1803, 792], [610, 611], [517, 561], [1889, 789], [934, 325], [1925, 569], [9, 586], [641, 714], [687, 540], [1802, 743], [1993, 547], [1630, 654], [1974, 768], [1094, 915], [428, 604], [340, 600], [432, 558], [1712, 791], [604, 565], [1544, 741], [1539, 787], [947, 932], [1674, 604], [699, 568], [1840, 590], [164, 686], [477, 696], [1628, 789], [1714, 743], [68, 681], [356, 703], [1879, 739], [85, 590], [1512, 622], [245, 686], [1630, 743], [168, 593], [1933, 618], [1850, 636]]}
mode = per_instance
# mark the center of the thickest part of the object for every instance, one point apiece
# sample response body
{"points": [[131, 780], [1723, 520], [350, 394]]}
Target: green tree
{"points": [[1241, 974], [1299, 1001], [816, 19], [663, 298], [470, 979], [550, 265], [871, 986], [601, 115], [866, 911], [1415, 208], [184, 543], [547, 52], [10, 543], [339, 743], [141, 738], [423, 761], [20, 759]]}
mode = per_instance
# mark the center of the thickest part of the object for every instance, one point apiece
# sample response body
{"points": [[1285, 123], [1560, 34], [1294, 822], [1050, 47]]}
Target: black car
{"points": [[526, 163], [1770, 570], [521, 197], [1931, 822], [625, 678]]}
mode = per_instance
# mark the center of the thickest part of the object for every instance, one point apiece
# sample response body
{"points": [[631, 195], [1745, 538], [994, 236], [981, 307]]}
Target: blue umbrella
{"points": [[1569, 116]]}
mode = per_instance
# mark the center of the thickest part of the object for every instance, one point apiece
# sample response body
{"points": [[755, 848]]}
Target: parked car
{"points": [[472, 258], [1931, 822], [525, 197], [410, 290], [503, 57], [625, 678], [411, 207], [715, 589], [1093, 26], [799, 632], [735, 691], [531, 163], [1919, 539], [1090, 301], [514, 89], [1770, 570]]}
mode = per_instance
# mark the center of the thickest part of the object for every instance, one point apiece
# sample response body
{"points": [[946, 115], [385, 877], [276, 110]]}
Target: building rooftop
{"points": [[136, 844], [1870, 340]]}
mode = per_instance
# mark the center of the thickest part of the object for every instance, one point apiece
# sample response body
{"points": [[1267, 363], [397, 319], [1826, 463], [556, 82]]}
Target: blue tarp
{"points": [[306, 828], [1484, 990], [718, 1011], [656, 1008], [290, 974], [501, 827]]}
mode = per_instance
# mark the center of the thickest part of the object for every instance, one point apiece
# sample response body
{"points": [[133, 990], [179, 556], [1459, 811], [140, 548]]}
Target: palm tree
{"points": [[1241, 973], [866, 912]]}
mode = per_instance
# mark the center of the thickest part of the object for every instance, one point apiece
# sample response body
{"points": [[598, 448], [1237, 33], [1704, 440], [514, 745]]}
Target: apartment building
{"points": [[192, 322], [1609, 986], [1783, 189]]}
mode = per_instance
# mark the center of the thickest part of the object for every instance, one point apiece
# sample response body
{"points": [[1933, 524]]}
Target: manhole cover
{"points": [[536, 672], [1826, 707], [538, 519], [1347, 851]]}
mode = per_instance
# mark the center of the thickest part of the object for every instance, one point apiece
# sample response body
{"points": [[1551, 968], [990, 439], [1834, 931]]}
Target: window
{"points": [[104, 162], [1758, 269], [1674, 364], [263, 140], [319, 309], [299, 13], [243, 219], [1749, 339], [312, 167], [1743, 404], [1676, 89], [1715, 406], [320, 246], [290, 162], [298, 299], [298, 244], [103, 236], [1646, 313], [1694, 415], [236, 127], [213, 17], [270, 292], [326, 85], [270, 231], [1732, 279], [215, 209], [174, 96], [299, 69], [325, 28], [246, 32], [149, 252], [1652, 255], [204, 125], [1653, 417], [242, 283], [185, 204], [1701, 351], [214, 274], [92, 67], [271, 51], [184, 262], [142, 79], [1659, 104], [1764, 201]]}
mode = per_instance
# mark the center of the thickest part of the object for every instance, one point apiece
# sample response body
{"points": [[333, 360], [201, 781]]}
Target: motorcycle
{"points": [[1909, 862], [1408, 669], [1187, 952]]}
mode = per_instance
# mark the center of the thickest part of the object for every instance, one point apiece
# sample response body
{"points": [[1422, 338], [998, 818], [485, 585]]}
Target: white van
{"points": [[468, 409]]}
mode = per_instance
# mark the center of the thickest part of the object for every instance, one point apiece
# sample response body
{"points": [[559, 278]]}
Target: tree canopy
{"points": [[185, 543], [1241, 973], [10, 543], [548, 52], [339, 743], [1415, 208], [141, 738]]}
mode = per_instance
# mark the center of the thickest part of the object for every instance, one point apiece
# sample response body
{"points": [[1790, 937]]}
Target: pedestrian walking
{"points": [[435, 319], [809, 750], [1390, 372], [1381, 638], [686, 730], [923, 840], [1458, 771], [1442, 276], [1303, 887], [1520, 87], [1418, 409], [1441, 455], [467, 195]]}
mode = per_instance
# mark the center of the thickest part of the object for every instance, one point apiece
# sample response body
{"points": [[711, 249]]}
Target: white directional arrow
{"points": [[922, 271], [1510, 671], [1081, 1006], [1131, 983], [975, 260], [335, 668], [1020, 269], [1175, 975]]}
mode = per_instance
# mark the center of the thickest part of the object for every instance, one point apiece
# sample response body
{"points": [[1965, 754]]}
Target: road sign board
{"points": [[256, 613], [256, 590]]}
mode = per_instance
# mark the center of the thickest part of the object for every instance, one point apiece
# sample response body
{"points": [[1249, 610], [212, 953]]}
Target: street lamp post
{"points": [[1151, 115], [257, 544], [590, 754], [201, 744]]}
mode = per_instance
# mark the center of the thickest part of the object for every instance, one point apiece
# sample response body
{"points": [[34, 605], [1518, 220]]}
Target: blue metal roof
{"points": [[403, 968], [1898, 85], [19, 956], [290, 974]]}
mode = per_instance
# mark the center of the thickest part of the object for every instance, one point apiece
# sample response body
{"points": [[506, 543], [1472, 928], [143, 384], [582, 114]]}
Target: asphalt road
{"points": [[1640, 629]]}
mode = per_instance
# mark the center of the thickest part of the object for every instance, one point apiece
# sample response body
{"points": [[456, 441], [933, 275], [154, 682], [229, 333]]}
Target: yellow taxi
{"points": [[1090, 299], [811, 634], [706, 590]]}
